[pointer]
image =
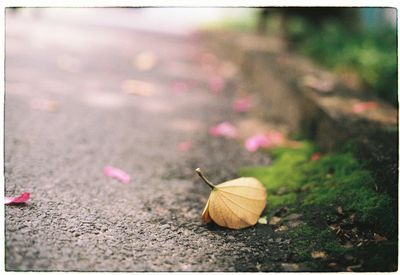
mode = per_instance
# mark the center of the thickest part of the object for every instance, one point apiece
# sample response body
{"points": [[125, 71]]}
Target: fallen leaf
{"points": [[379, 238], [17, 200], [137, 87], [216, 83], [117, 174], [224, 129], [45, 105], [241, 105], [364, 106], [236, 203], [315, 156], [184, 146], [318, 254], [263, 220], [145, 61]]}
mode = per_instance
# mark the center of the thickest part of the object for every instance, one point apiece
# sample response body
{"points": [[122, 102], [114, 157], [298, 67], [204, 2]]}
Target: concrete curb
{"points": [[325, 116]]}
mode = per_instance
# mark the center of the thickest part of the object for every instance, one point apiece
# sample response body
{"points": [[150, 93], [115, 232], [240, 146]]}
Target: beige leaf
{"points": [[236, 203]]}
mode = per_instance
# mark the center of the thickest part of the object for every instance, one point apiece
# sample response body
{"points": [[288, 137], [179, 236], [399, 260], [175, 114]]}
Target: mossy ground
{"points": [[334, 191]]}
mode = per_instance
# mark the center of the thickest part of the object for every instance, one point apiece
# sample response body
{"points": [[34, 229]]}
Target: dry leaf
{"points": [[236, 203], [318, 254], [379, 238]]}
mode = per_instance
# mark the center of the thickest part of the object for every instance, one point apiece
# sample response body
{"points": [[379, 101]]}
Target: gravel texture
{"points": [[77, 218]]}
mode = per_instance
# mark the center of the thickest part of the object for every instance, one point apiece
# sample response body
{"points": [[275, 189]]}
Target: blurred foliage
{"points": [[245, 23], [370, 53]]}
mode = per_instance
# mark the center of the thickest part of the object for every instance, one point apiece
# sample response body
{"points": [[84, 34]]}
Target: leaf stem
{"points": [[198, 171]]}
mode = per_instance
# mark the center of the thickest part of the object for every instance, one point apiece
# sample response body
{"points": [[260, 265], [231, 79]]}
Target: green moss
{"points": [[306, 239], [332, 181]]}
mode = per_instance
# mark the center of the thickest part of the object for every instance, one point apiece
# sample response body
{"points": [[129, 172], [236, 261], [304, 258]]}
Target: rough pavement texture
{"points": [[77, 218]]}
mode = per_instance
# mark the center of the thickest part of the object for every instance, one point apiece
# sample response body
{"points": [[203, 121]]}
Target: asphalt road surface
{"points": [[66, 118]]}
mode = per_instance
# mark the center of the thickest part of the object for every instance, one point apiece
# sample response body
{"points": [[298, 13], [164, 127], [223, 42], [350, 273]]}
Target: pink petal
{"points": [[363, 106], [16, 200], [268, 140], [224, 129], [315, 156], [179, 87], [241, 105], [276, 138], [117, 174], [216, 84], [254, 142], [184, 146]]}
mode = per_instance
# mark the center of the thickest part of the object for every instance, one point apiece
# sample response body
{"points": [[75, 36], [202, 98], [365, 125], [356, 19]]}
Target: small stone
{"points": [[165, 226], [263, 220], [231, 238]]}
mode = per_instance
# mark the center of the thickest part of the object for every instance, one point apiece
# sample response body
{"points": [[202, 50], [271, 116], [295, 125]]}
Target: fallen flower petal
{"points": [[275, 137], [315, 156], [45, 105], [184, 146], [254, 142], [268, 140], [241, 105], [363, 106], [224, 129], [16, 200], [216, 84], [180, 87], [117, 174]]}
